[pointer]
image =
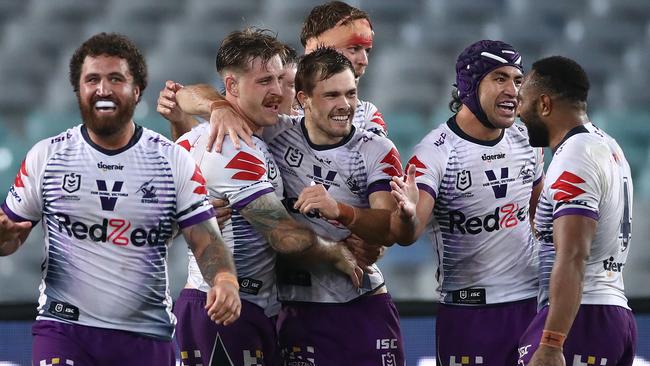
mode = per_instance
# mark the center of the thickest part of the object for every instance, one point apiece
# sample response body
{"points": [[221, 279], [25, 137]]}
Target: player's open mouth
{"points": [[507, 107], [105, 106]]}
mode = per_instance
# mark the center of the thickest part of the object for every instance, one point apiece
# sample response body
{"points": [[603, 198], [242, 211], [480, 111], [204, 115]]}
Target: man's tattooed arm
{"points": [[211, 252]]}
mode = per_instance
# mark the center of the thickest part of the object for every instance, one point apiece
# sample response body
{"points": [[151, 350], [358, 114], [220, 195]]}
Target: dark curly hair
{"points": [[325, 17], [110, 44], [562, 77]]}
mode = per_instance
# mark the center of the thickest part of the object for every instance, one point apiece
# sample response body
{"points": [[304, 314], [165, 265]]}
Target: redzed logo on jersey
{"points": [[392, 158], [250, 167], [566, 186], [19, 177], [198, 177], [418, 165]]}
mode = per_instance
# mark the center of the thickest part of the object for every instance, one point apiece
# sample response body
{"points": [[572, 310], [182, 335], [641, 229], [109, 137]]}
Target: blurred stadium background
{"points": [[409, 78]]}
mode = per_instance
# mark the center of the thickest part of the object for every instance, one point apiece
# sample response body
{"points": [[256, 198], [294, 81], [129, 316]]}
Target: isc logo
{"points": [[387, 343]]}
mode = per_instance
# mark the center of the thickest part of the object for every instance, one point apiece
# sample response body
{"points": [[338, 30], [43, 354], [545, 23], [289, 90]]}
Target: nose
{"points": [[363, 58], [103, 88], [511, 88], [276, 87]]}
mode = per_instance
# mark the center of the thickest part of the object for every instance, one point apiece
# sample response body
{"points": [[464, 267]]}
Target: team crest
{"points": [[71, 182], [293, 157], [388, 359], [463, 180]]}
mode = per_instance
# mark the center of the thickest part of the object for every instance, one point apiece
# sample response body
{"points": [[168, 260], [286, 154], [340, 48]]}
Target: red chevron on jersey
{"points": [[378, 118], [251, 168], [185, 144], [392, 158], [566, 186], [19, 177], [418, 165], [198, 177]]}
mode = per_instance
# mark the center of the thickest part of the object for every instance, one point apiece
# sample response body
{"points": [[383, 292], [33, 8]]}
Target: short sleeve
{"points": [[573, 184], [24, 200]]}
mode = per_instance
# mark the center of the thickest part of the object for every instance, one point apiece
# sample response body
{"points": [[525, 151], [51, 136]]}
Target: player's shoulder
{"points": [[439, 139], [583, 142], [64, 140], [365, 139]]}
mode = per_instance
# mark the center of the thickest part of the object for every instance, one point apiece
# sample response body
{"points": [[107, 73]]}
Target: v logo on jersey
{"points": [[250, 167], [392, 158], [318, 177], [108, 201], [566, 187], [418, 165], [500, 190]]}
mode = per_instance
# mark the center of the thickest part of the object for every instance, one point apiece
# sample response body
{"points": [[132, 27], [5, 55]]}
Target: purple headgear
{"points": [[476, 61]]}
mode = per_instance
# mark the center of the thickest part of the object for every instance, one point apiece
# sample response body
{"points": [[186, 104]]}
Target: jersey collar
{"points": [[134, 140], [453, 125], [345, 140]]}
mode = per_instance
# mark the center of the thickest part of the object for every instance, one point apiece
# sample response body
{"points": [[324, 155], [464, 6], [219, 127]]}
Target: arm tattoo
{"points": [[269, 217], [211, 252]]}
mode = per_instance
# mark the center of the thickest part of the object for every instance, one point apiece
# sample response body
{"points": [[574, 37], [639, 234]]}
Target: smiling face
{"points": [[498, 95], [257, 90], [330, 108], [107, 94]]}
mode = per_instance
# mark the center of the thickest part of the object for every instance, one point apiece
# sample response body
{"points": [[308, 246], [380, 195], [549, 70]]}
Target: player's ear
{"points": [[302, 99], [545, 105], [232, 87]]}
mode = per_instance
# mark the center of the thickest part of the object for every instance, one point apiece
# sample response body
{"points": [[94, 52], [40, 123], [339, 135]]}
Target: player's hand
{"points": [[547, 356], [12, 233], [227, 120], [167, 105], [365, 254], [223, 303], [344, 261], [316, 198], [221, 210], [406, 193]]}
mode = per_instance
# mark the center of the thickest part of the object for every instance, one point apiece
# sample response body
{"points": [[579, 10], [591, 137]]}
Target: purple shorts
{"points": [[482, 335], [57, 343], [251, 340], [362, 332], [601, 335]]}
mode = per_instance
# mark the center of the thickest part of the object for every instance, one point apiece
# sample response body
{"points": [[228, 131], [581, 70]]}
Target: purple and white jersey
{"points": [[240, 176], [367, 117], [589, 176], [351, 170], [483, 247], [108, 217]]}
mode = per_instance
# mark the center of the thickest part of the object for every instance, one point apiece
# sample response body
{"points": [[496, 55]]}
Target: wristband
{"points": [[347, 214], [227, 277], [552, 339], [219, 104]]}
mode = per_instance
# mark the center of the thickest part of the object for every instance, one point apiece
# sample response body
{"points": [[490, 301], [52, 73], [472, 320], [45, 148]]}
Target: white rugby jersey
{"points": [[480, 227], [589, 176], [367, 117], [351, 170], [107, 217], [240, 176]]}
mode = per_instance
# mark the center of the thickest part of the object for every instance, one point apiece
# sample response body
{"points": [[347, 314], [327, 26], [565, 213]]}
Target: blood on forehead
{"points": [[355, 33]]}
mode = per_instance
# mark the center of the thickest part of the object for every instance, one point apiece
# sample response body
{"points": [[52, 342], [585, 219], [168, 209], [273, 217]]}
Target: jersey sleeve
{"points": [[192, 206], [574, 185], [383, 164], [25, 197], [430, 161], [375, 121], [240, 176]]}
